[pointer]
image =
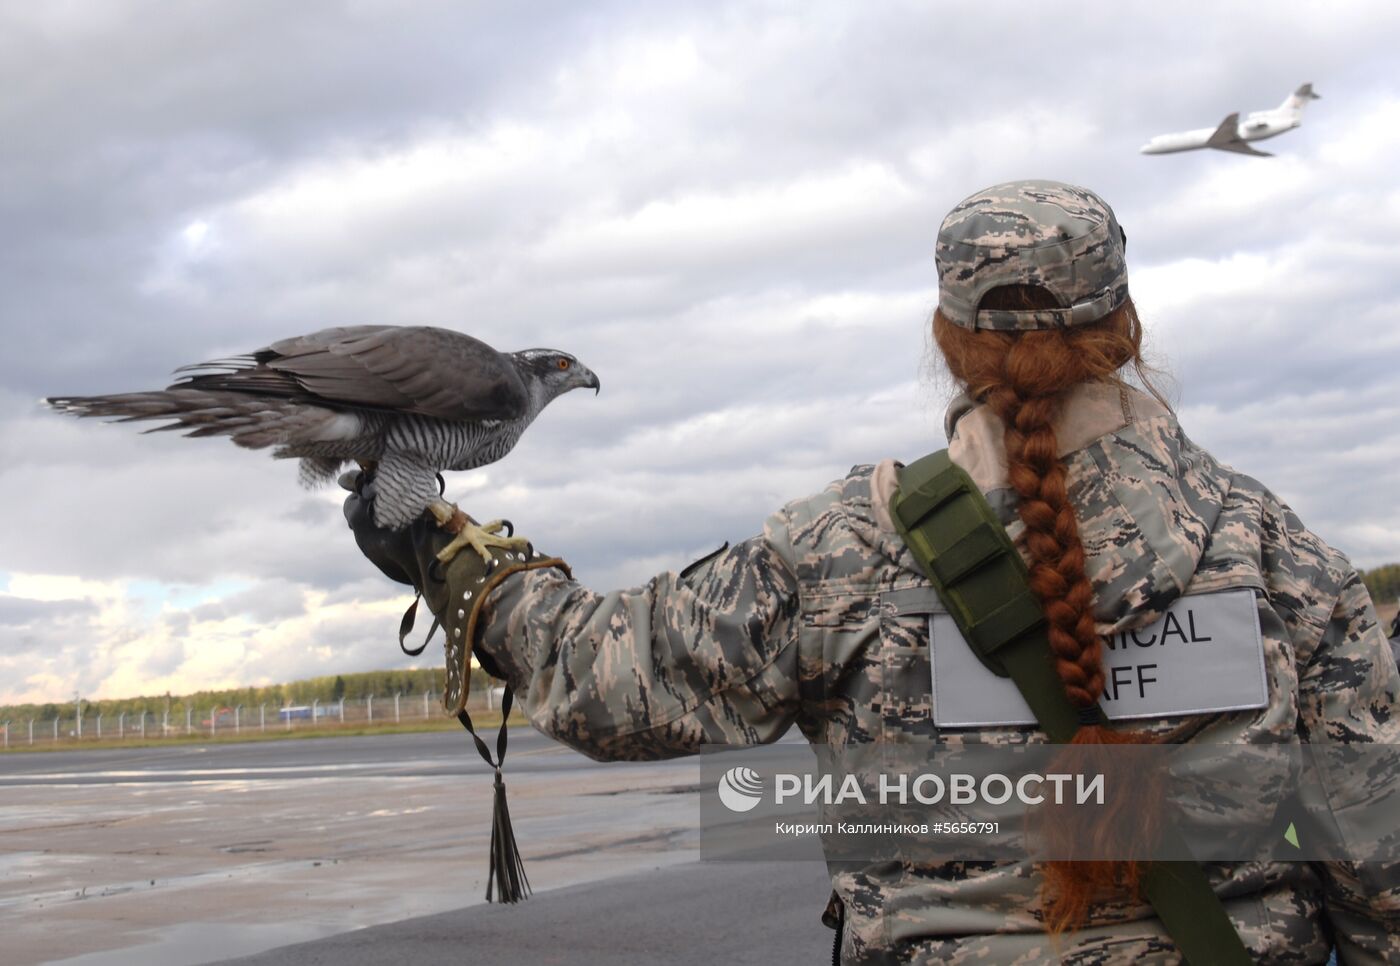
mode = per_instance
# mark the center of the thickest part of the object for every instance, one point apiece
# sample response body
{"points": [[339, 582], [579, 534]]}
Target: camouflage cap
{"points": [[1055, 236]]}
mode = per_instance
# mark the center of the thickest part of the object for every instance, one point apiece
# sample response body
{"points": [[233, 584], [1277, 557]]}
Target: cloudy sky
{"points": [[726, 210]]}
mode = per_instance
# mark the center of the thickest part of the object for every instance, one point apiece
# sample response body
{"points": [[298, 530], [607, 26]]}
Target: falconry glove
{"points": [[455, 591]]}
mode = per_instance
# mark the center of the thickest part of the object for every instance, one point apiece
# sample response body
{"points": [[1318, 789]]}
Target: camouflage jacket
{"points": [[811, 624]]}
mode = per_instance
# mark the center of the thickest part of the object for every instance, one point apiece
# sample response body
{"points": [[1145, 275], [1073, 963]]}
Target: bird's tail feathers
{"points": [[250, 421], [315, 472]]}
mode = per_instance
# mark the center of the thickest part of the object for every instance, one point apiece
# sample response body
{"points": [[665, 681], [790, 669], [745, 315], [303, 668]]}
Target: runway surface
{"points": [[200, 853], [696, 914], [409, 755]]}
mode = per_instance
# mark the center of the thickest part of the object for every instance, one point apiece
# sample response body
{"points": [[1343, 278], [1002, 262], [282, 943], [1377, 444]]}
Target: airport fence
{"points": [[226, 721]]}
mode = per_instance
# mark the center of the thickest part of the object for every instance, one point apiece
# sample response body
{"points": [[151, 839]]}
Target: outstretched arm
{"points": [[708, 656]]}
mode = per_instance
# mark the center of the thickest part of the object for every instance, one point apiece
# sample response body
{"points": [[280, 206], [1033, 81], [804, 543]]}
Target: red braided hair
{"points": [[1024, 377]]}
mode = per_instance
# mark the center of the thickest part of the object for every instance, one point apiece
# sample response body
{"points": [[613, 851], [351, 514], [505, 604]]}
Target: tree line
{"points": [[327, 689], [1383, 582]]}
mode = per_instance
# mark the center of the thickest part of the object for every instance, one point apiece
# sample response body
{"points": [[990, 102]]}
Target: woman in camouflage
{"points": [[1118, 514]]}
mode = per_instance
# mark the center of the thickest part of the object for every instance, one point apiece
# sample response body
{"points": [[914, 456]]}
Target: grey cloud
{"points": [[165, 657], [178, 622], [19, 612], [137, 115], [369, 589], [267, 602], [342, 645]]}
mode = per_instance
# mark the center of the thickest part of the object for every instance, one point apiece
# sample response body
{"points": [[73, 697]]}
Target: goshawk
{"points": [[408, 401]]}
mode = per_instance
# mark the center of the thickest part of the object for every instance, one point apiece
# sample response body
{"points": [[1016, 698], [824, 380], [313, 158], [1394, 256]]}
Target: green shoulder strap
{"points": [[968, 556]]}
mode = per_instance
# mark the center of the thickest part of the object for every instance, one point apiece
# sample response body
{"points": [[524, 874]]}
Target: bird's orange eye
{"points": [[563, 363]]}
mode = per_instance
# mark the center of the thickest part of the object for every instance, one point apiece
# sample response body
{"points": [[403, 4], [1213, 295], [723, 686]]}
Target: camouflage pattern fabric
{"points": [[817, 623], [1060, 237]]}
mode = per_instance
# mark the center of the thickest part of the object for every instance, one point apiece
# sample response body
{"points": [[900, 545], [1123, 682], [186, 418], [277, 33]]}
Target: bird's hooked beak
{"points": [[586, 379]]}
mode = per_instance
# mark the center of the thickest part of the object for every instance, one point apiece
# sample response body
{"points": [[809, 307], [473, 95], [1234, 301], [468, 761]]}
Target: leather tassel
{"points": [[507, 871], [506, 880]]}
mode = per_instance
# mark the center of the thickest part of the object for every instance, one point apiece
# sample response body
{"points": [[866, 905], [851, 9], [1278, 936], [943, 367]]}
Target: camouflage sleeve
{"points": [[1350, 692], [708, 656]]}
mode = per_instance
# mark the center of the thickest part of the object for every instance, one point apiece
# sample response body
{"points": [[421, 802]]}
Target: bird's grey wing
{"points": [[411, 369]]}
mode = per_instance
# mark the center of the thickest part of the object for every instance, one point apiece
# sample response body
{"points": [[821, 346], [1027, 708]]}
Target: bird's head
{"points": [[557, 372]]}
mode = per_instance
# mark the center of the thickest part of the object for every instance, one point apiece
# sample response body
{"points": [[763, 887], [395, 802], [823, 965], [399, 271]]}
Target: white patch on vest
{"points": [[1204, 655]]}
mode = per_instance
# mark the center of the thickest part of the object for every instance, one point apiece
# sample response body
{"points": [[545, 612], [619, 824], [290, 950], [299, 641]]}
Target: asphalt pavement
{"points": [[415, 754], [332, 849], [764, 914]]}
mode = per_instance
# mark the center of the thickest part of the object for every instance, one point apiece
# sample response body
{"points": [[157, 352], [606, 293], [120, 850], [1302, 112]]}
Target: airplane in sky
{"points": [[1233, 134]]}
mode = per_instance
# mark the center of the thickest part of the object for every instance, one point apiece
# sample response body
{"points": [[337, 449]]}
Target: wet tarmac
{"points": [[698, 914], [194, 854]]}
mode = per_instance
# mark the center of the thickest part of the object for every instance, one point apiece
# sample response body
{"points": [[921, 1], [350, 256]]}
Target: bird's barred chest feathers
{"points": [[436, 442], [432, 444], [453, 446]]}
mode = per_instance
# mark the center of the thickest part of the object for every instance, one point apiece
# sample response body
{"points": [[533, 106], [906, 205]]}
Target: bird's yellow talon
{"points": [[481, 538]]}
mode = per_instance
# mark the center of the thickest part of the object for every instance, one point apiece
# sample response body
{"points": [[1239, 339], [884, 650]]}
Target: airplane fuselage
{"points": [[1258, 126], [1234, 133]]}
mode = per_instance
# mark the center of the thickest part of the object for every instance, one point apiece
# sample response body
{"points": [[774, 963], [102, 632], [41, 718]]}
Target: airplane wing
{"points": [[1240, 147], [1227, 138], [1229, 130]]}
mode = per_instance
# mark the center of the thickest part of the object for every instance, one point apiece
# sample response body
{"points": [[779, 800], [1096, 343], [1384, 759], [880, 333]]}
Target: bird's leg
{"points": [[448, 516], [467, 533], [366, 474]]}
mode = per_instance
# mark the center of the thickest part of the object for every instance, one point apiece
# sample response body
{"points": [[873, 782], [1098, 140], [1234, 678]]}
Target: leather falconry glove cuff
{"points": [[455, 592], [410, 556]]}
